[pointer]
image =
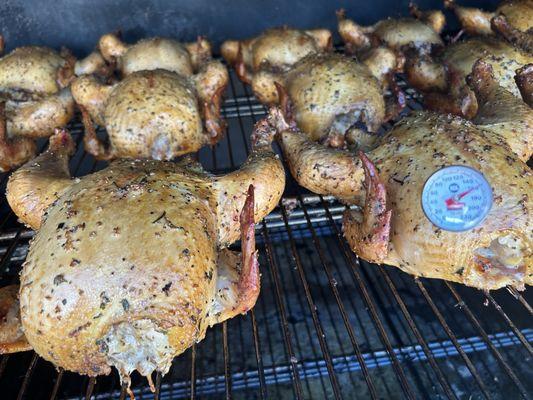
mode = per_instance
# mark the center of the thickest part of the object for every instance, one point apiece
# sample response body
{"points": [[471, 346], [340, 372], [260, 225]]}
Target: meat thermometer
{"points": [[456, 198]]}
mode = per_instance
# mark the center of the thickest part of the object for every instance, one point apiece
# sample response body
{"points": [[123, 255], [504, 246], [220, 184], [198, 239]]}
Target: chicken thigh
{"points": [[151, 238], [261, 61], [35, 100], [167, 104], [392, 227]]}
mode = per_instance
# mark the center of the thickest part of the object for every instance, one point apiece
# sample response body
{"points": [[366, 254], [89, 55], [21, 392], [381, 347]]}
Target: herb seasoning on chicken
{"points": [[167, 104], [35, 100], [129, 266], [391, 227]]}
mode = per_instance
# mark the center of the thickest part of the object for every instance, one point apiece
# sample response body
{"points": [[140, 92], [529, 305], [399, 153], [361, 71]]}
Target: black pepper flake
{"points": [[125, 304], [59, 279], [166, 288], [209, 275], [74, 262]]}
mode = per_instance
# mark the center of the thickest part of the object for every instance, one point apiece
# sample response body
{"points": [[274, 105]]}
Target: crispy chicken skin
{"points": [[442, 77], [151, 238], [420, 32], [147, 54], [153, 114], [331, 92], [35, 99], [392, 228], [500, 112], [331, 95], [474, 21], [167, 104], [261, 60]]}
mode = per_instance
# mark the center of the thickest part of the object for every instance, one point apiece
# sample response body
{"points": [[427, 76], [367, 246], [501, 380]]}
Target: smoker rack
{"points": [[326, 324]]}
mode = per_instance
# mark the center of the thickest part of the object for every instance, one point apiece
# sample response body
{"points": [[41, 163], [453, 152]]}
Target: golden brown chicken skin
{"points": [[129, 266], [153, 114], [442, 77], [272, 53], [333, 97], [167, 104], [421, 32], [500, 112], [392, 227], [35, 99], [474, 21], [329, 93]]}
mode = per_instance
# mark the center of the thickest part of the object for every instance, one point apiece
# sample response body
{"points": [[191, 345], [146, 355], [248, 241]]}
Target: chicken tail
{"points": [[368, 233]]}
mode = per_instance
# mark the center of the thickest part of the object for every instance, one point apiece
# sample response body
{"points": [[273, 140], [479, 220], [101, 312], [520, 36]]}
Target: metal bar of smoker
{"points": [[344, 315], [493, 348]]}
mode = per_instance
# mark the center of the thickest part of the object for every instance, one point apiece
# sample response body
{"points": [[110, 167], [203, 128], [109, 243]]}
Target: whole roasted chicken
{"points": [[420, 33], [167, 104], [129, 266], [387, 183], [518, 13], [34, 100], [442, 77], [262, 60], [330, 96]]}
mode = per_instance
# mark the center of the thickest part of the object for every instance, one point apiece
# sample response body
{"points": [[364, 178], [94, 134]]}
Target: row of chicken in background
{"points": [[147, 304]]}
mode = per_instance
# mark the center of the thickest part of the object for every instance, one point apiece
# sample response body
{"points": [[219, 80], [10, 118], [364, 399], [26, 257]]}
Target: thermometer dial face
{"points": [[456, 198]]}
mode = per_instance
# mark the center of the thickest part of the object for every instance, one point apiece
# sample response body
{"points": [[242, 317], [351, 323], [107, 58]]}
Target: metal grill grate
{"points": [[326, 324]]}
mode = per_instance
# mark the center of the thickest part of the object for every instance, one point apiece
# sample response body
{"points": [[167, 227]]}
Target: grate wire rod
{"points": [[495, 351], [515, 330], [297, 386], [296, 382], [353, 266], [27, 376], [453, 338], [408, 317], [312, 307], [327, 270], [255, 331], [57, 383]]}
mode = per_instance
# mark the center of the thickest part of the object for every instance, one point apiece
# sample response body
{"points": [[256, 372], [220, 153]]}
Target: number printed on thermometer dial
{"points": [[456, 198]]}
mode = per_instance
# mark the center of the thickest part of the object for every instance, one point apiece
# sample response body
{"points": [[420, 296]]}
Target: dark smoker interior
{"points": [[327, 324]]}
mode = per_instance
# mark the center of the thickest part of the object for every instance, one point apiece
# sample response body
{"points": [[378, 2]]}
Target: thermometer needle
{"points": [[452, 203]]}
